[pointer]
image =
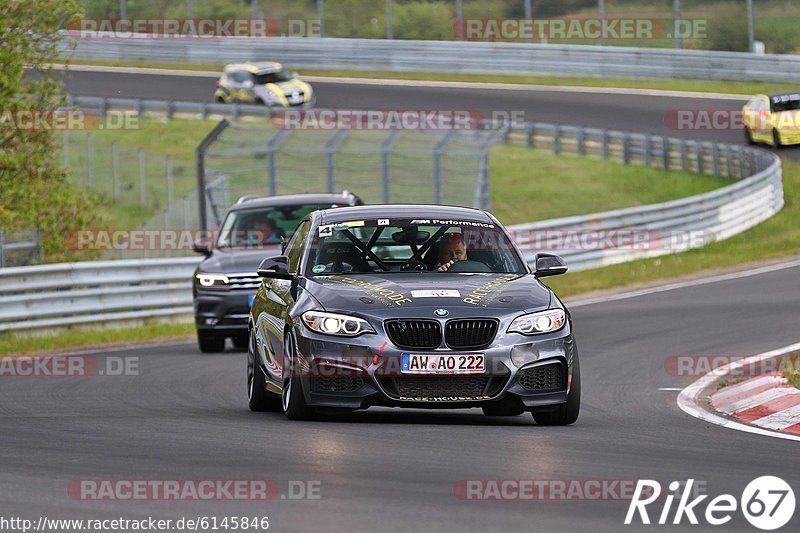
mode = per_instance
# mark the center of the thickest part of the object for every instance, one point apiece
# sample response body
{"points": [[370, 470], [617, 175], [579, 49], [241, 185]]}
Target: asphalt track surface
{"points": [[639, 113], [185, 416]]}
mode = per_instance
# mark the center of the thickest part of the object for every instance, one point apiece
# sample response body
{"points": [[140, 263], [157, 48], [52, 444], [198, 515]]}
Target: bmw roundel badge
{"points": [[441, 312]]}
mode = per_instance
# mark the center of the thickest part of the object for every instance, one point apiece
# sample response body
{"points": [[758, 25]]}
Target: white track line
{"points": [[422, 83], [689, 398]]}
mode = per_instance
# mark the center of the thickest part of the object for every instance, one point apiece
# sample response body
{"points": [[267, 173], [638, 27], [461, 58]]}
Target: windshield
{"points": [[787, 102], [383, 245], [264, 225], [273, 77]]}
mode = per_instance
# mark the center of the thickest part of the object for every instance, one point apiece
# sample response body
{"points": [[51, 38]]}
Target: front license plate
{"points": [[250, 300], [467, 363]]}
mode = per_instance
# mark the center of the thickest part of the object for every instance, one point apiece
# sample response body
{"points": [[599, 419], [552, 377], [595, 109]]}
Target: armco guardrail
{"points": [[83, 293], [450, 56], [168, 108], [49, 295], [647, 231]]}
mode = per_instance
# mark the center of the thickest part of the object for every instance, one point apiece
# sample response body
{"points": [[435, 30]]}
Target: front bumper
{"points": [[344, 373], [222, 313], [790, 136]]}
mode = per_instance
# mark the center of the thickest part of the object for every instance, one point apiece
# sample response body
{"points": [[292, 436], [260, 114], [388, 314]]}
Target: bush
{"points": [[727, 28], [35, 190]]}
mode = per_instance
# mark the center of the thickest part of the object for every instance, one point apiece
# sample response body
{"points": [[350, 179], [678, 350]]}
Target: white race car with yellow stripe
{"points": [[263, 83]]}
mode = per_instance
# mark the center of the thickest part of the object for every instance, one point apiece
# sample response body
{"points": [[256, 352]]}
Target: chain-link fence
{"points": [[380, 166]]}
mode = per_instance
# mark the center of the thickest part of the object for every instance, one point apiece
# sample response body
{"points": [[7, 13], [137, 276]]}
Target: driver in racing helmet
{"points": [[451, 249]]}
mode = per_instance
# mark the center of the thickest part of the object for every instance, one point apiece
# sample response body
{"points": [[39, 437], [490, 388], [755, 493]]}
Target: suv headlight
{"points": [[538, 323], [333, 324], [206, 279]]}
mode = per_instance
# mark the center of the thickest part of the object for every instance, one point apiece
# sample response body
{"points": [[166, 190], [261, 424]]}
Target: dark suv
{"points": [[226, 280]]}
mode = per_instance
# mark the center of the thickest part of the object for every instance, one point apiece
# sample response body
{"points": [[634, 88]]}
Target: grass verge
{"points": [[774, 238], [71, 338], [708, 86], [791, 369]]}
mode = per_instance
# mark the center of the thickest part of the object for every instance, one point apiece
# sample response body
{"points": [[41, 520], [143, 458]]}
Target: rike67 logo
{"points": [[767, 503]]}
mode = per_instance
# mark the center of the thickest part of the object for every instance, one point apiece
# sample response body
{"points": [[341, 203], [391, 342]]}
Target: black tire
{"points": [[566, 414], [748, 136], [776, 138], [209, 343], [241, 341], [502, 409], [258, 397], [293, 400]]}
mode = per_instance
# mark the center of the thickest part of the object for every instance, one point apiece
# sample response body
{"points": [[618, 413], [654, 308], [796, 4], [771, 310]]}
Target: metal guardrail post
{"points": [[581, 141], [386, 169], [115, 169], [647, 147], [170, 109], [698, 150], [142, 179], [665, 151], [741, 159], [729, 159], [200, 161], [437, 166], [530, 134], [272, 153], [557, 139], [604, 148], [684, 156], [626, 148], [715, 158], [330, 151]]}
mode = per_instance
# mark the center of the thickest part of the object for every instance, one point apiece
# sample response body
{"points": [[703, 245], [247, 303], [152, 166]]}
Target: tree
{"points": [[34, 191]]}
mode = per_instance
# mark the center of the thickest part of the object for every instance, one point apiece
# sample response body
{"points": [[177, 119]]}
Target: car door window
{"points": [[295, 246]]}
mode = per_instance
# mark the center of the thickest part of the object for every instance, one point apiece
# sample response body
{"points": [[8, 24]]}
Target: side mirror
{"points": [[276, 267], [202, 246], [549, 265]]}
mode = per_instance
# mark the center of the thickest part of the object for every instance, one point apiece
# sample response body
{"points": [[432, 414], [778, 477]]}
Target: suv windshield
{"points": [[383, 245], [273, 77], [263, 225]]}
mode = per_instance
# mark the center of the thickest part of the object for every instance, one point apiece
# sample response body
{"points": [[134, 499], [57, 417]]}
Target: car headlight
{"points": [[538, 323], [211, 280], [333, 324]]}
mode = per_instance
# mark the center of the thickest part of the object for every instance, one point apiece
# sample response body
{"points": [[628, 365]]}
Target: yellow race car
{"points": [[265, 83], [772, 119]]}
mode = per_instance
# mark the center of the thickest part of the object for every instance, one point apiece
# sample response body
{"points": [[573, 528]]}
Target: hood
{"points": [[237, 260], [417, 294]]}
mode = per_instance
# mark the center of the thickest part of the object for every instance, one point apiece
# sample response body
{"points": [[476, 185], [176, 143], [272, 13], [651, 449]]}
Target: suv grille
{"points": [[470, 332], [416, 333], [544, 378], [243, 281]]}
